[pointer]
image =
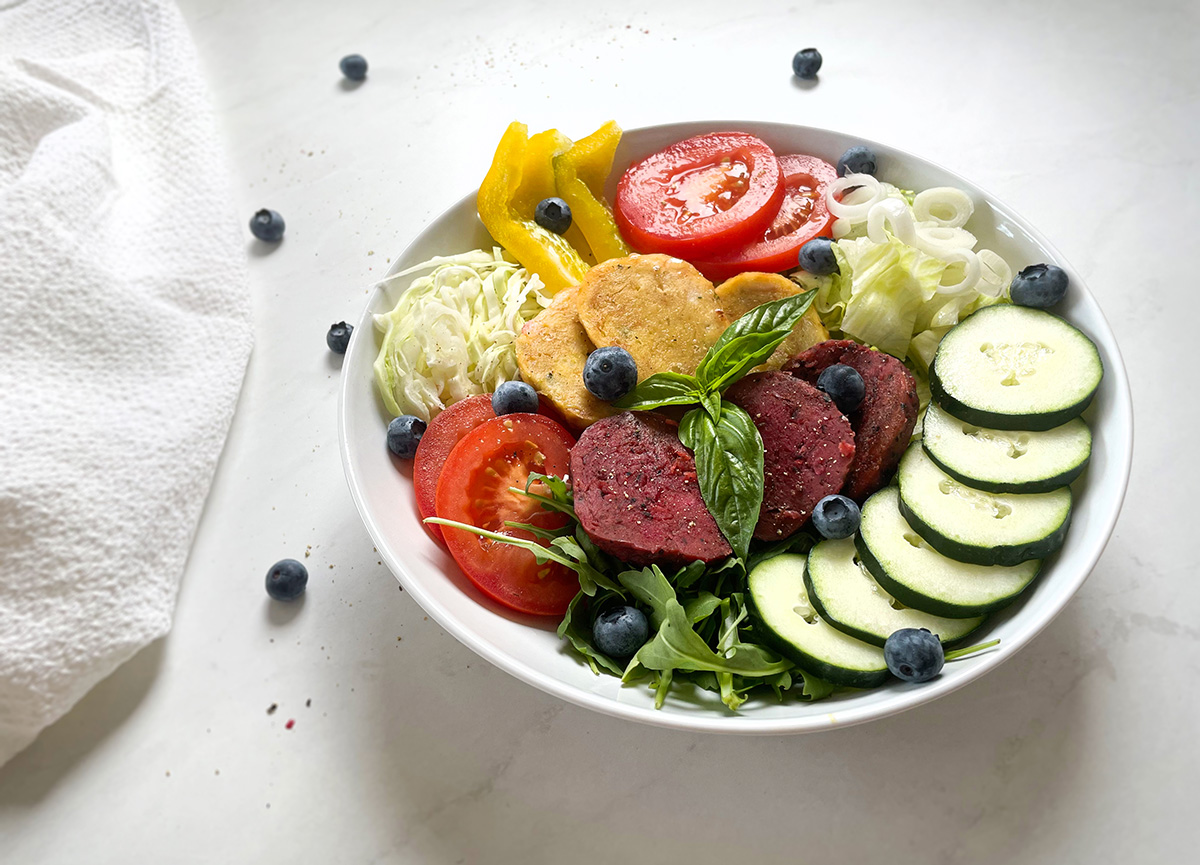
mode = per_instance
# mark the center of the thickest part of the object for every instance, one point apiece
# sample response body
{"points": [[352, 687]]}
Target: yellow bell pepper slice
{"points": [[537, 183], [579, 176], [548, 255]]}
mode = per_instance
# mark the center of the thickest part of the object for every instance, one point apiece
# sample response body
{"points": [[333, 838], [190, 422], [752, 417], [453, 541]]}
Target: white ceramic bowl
{"points": [[527, 646]]}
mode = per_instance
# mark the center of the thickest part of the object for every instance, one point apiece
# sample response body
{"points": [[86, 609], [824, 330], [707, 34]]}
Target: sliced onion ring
{"points": [[943, 198], [970, 277], [894, 212], [852, 212]]}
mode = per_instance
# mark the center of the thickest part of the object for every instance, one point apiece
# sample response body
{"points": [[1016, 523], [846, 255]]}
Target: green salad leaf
{"points": [[662, 389], [729, 468]]}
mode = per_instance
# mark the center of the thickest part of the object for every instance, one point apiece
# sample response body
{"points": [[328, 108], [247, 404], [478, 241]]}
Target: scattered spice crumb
{"points": [[291, 723], [308, 703], [331, 567], [271, 708], [168, 773], [216, 771]]}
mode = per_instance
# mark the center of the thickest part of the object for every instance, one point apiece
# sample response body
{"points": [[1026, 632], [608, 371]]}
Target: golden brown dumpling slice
{"points": [[740, 294], [659, 309], [551, 351]]}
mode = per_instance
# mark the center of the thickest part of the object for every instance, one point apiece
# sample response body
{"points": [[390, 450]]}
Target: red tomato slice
{"points": [[474, 488], [700, 196], [801, 217], [443, 433]]}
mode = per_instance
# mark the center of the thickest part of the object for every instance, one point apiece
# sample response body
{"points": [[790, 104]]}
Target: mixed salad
{"points": [[764, 424]]}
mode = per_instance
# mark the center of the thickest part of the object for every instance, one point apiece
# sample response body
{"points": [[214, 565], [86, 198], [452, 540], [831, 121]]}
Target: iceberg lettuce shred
{"points": [[452, 332]]}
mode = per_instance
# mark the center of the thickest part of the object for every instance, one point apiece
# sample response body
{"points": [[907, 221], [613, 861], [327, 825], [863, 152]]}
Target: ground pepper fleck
{"points": [[291, 723]]}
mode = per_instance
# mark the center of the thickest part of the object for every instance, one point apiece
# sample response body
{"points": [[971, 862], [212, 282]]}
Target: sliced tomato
{"points": [[700, 196], [443, 433], [474, 488], [802, 216]]}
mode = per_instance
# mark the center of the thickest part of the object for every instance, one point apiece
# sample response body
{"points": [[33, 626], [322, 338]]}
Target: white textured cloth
{"points": [[126, 321]]}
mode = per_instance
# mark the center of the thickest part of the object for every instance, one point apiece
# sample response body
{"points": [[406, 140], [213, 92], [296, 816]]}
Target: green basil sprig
{"points": [[728, 448]]}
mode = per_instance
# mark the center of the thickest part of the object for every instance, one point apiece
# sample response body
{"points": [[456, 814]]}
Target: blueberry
{"points": [[267, 225], [620, 631], [404, 434], [844, 385], [338, 337], [817, 257], [609, 373], [514, 396], [553, 214], [1040, 285], [836, 517], [857, 160], [806, 63], [914, 654], [354, 67], [286, 580]]}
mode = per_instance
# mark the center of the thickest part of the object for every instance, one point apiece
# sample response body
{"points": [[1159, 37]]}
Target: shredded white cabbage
{"points": [[451, 334]]}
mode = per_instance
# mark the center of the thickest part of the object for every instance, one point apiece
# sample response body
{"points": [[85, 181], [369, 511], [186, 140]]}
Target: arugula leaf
{"points": [[650, 586], [677, 647], [751, 339], [729, 468], [689, 574], [701, 607], [562, 551], [580, 639], [558, 487], [660, 389], [814, 688]]}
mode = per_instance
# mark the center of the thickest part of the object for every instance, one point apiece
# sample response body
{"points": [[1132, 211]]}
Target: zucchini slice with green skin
{"points": [[1006, 461], [1013, 367], [918, 575], [787, 621], [975, 526], [845, 594]]}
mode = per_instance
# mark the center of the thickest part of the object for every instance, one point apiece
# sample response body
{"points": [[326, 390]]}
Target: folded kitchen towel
{"points": [[126, 333]]}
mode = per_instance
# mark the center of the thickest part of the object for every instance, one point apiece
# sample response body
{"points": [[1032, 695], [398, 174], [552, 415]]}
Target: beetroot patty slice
{"points": [[808, 447], [637, 496], [883, 422]]}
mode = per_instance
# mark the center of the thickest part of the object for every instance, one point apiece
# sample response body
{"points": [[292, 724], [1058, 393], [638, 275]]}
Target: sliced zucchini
{"points": [[789, 623], [1013, 367], [1006, 461], [918, 575], [978, 527], [849, 598]]}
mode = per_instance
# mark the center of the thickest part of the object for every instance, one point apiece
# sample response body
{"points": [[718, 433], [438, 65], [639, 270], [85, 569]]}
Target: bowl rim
{"points": [[845, 714]]}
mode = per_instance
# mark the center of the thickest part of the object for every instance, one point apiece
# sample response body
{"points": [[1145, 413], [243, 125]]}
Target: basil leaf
{"points": [[751, 340], [729, 467], [711, 402], [660, 389]]}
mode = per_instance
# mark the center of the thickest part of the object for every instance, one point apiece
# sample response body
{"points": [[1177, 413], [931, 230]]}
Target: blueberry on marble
{"points": [[267, 225], [287, 580], [354, 67], [514, 396], [338, 337], [914, 654], [404, 434], [806, 63]]}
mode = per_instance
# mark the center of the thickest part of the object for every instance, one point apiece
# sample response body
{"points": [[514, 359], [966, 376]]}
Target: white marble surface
{"points": [[1083, 116]]}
